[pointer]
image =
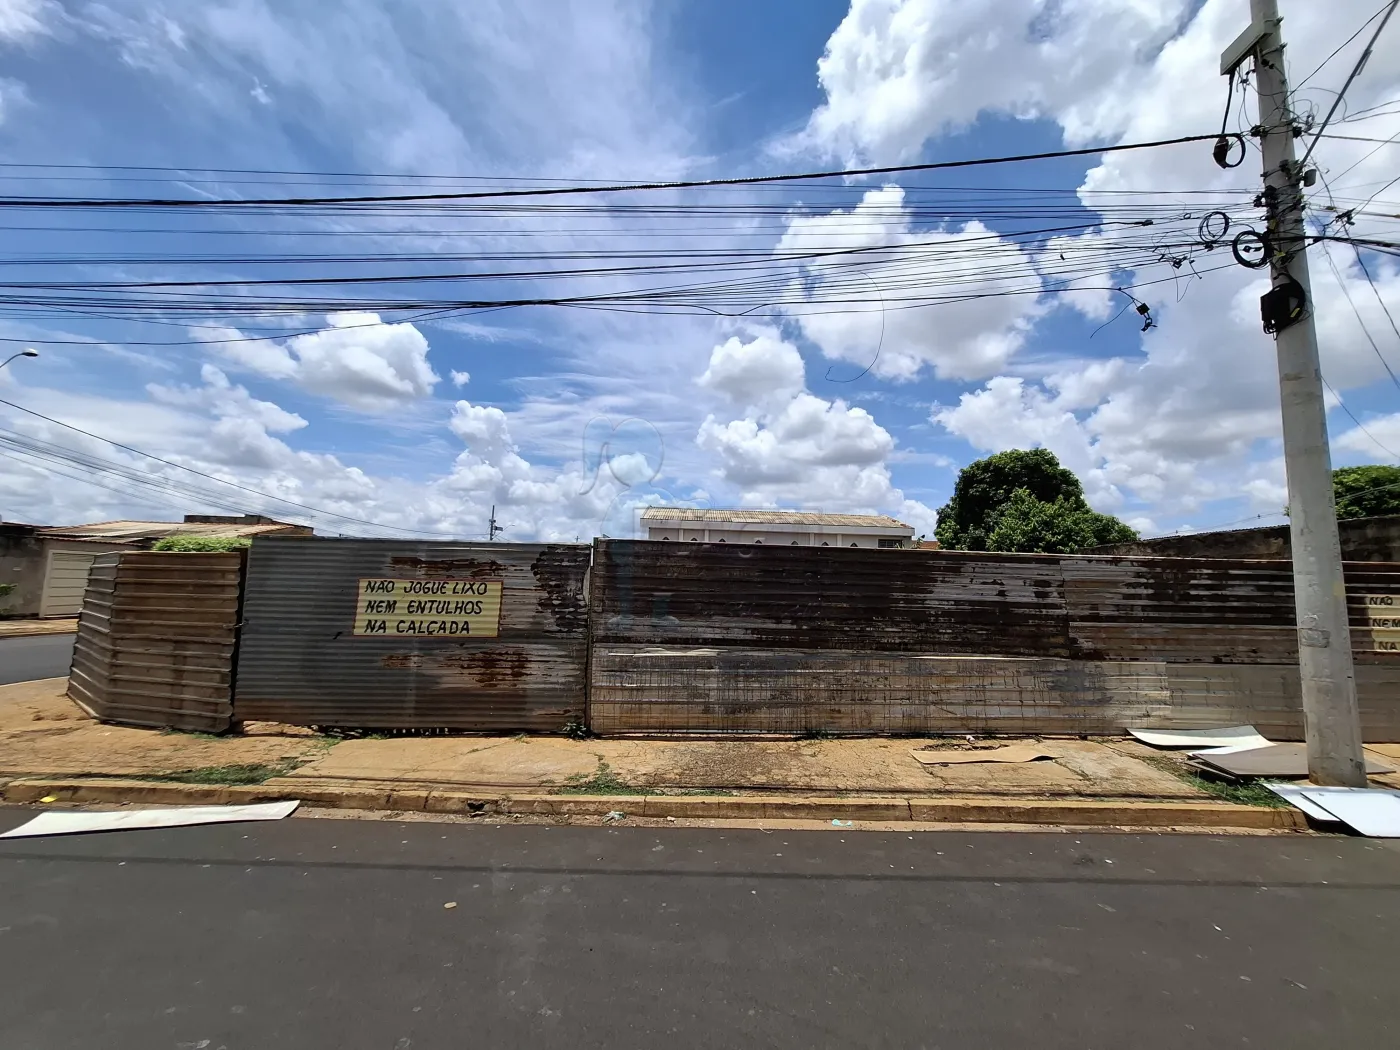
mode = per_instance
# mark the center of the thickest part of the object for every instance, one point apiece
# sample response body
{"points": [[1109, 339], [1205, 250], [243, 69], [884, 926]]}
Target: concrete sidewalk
{"points": [[50, 749], [1079, 769], [43, 733]]}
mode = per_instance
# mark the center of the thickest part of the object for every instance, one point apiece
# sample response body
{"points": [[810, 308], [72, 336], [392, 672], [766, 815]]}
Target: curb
{"points": [[1068, 812]]}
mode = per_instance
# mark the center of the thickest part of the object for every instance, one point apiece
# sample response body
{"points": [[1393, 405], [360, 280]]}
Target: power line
{"points": [[1360, 425], [1355, 72], [1341, 283], [611, 188], [1338, 49], [1360, 261], [221, 481]]}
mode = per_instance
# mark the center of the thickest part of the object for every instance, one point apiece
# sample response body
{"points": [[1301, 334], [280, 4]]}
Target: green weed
{"points": [[603, 782], [228, 776], [1249, 793]]}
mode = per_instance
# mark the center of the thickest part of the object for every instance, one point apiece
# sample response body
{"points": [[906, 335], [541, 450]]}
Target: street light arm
{"points": [[22, 353]]}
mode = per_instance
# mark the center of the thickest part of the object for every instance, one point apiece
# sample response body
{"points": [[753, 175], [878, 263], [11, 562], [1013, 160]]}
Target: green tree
{"points": [[1023, 501], [1367, 492], [1031, 526]]}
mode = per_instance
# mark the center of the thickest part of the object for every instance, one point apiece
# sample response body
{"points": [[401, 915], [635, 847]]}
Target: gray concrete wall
{"points": [[22, 566], [1363, 539]]}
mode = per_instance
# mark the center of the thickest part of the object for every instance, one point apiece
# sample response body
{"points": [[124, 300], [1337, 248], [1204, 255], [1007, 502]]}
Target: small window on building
{"points": [[889, 542]]}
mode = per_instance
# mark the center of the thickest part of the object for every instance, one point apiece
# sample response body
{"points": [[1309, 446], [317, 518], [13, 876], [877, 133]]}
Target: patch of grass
{"points": [[228, 776], [1249, 793], [603, 782], [576, 729]]}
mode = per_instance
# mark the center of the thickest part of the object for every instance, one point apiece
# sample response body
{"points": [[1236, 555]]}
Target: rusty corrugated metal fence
{"points": [[389, 634], [156, 639], [727, 638]]}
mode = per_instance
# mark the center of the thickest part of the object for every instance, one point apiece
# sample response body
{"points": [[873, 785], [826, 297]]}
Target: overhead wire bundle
{"points": [[700, 247]]}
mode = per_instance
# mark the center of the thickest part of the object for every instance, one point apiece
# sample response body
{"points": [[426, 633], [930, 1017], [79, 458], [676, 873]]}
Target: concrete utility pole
{"points": [[1331, 722], [492, 529]]}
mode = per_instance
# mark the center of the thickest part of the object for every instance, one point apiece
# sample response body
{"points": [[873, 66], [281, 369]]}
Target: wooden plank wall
{"points": [[707, 638], [156, 639]]}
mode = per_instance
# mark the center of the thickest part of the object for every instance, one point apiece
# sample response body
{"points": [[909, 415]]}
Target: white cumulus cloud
{"points": [[790, 446], [884, 260], [358, 361]]}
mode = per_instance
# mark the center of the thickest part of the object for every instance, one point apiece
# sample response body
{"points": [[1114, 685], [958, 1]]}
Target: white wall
{"points": [[771, 534]]}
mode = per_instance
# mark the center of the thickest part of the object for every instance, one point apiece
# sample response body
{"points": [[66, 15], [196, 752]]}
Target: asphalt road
{"points": [[35, 656], [316, 933]]}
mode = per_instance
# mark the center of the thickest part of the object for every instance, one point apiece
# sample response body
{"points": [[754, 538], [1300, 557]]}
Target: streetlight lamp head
{"points": [[29, 353]]}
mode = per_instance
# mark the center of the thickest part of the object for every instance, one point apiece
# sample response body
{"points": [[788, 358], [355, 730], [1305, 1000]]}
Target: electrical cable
{"points": [[243, 488], [1339, 48], [1355, 72], [1360, 426], [1341, 283], [576, 190]]}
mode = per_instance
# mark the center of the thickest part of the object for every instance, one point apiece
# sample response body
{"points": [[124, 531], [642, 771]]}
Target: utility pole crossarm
{"points": [[1331, 721]]}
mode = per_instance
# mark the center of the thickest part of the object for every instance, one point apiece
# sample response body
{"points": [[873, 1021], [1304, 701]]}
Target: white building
{"points": [[795, 527]]}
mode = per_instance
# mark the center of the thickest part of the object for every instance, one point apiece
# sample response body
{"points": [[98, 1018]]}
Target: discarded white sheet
{"points": [[1233, 736], [1015, 753], [73, 823], [1232, 749], [1374, 812], [1273, 760], [1293, 794]]}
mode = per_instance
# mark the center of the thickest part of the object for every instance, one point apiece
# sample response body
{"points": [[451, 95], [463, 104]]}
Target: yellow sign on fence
{"points": [[1383, 618], [428, 609]]}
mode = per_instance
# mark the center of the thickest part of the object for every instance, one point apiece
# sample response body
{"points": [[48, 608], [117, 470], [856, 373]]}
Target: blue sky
{"points": [[566, 420]]}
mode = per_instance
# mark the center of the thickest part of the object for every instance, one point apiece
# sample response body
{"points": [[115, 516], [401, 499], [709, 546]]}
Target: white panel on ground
{"points": [[1293, 794], [73, 823], [1232, 736], [1374, 812]]}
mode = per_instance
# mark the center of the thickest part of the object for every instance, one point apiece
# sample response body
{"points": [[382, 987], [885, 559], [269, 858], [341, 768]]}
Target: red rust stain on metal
{"points": [[400, 661], [492, 668]]}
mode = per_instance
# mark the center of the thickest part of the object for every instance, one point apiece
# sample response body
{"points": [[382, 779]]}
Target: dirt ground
{"points": [[855, 766], [42, 731]]}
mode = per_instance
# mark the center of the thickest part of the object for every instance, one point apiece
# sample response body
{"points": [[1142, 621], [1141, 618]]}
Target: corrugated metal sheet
{"points": [[299, 661], [642, 690], [156, 639], [779, 597], [711, 638]]}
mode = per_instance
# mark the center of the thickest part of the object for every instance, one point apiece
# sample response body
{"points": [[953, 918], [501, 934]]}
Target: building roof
{"points": [[772, 517], [136, 531]]}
